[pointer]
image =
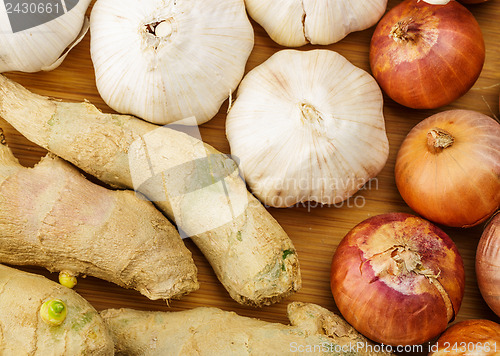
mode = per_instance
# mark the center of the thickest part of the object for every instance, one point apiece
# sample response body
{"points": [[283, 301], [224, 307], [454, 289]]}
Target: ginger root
{"points": [[249, 251], [24, 332], [51, 216], [211, 331]]}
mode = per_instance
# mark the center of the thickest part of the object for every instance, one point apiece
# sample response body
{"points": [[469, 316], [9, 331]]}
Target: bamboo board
{"points": [[315, 231]]}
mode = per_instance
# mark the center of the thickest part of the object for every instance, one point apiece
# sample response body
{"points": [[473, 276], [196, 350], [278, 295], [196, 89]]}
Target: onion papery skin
{"points": [[488, 265], [390, 303], [469, 337], [458, 185], [433, 62]]}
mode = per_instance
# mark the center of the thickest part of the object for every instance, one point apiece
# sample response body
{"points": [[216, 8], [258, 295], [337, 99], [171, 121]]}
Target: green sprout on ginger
{"points": [[53, 312]]}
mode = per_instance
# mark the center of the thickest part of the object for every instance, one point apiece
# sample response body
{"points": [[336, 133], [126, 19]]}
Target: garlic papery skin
{"points": [[45, 46], [167, 60], [294, 23], [307, 126]]}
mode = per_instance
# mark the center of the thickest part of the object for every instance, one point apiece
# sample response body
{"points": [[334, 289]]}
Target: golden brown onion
{"points": [[425, 55], [476, 337], [397, 279], [488, 265], [448, 168]]}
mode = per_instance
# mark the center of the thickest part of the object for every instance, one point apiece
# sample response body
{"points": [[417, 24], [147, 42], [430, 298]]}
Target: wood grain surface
{"points": [[315, 231]]}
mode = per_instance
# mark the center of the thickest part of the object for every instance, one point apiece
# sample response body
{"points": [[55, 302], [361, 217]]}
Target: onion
{"points": [[488, 265], [472, 1], [397, 279], [448, 168], [425, 55], [469, 337]]}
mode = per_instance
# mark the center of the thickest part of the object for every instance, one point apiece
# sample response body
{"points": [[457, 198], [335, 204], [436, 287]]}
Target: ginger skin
{"points": [[24, 332], [211, 331], [51, 216]]}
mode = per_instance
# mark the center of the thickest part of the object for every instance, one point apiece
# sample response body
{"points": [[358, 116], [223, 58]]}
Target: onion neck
{"points": [[438, 140], [409, 261], [401, 260], [405, 31]]}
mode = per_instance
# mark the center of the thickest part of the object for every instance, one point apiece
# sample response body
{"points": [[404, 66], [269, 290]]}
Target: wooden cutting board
{"points": [[315, 231]]}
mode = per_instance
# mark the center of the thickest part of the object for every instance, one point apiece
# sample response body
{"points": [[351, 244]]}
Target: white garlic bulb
{"points": [[167, 60], [38, 36], [307, 126], [294, 23]]}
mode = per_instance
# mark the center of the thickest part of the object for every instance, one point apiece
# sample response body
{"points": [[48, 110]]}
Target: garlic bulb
{"points": [[167, 60], [38, 36], [307, 126], [294, 23]]}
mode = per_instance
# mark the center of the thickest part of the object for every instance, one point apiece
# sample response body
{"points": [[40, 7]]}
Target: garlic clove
{"points": [[43, 47], [307, 126], [328, 22], [294, 23], [283, 20], [168, 60]]}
